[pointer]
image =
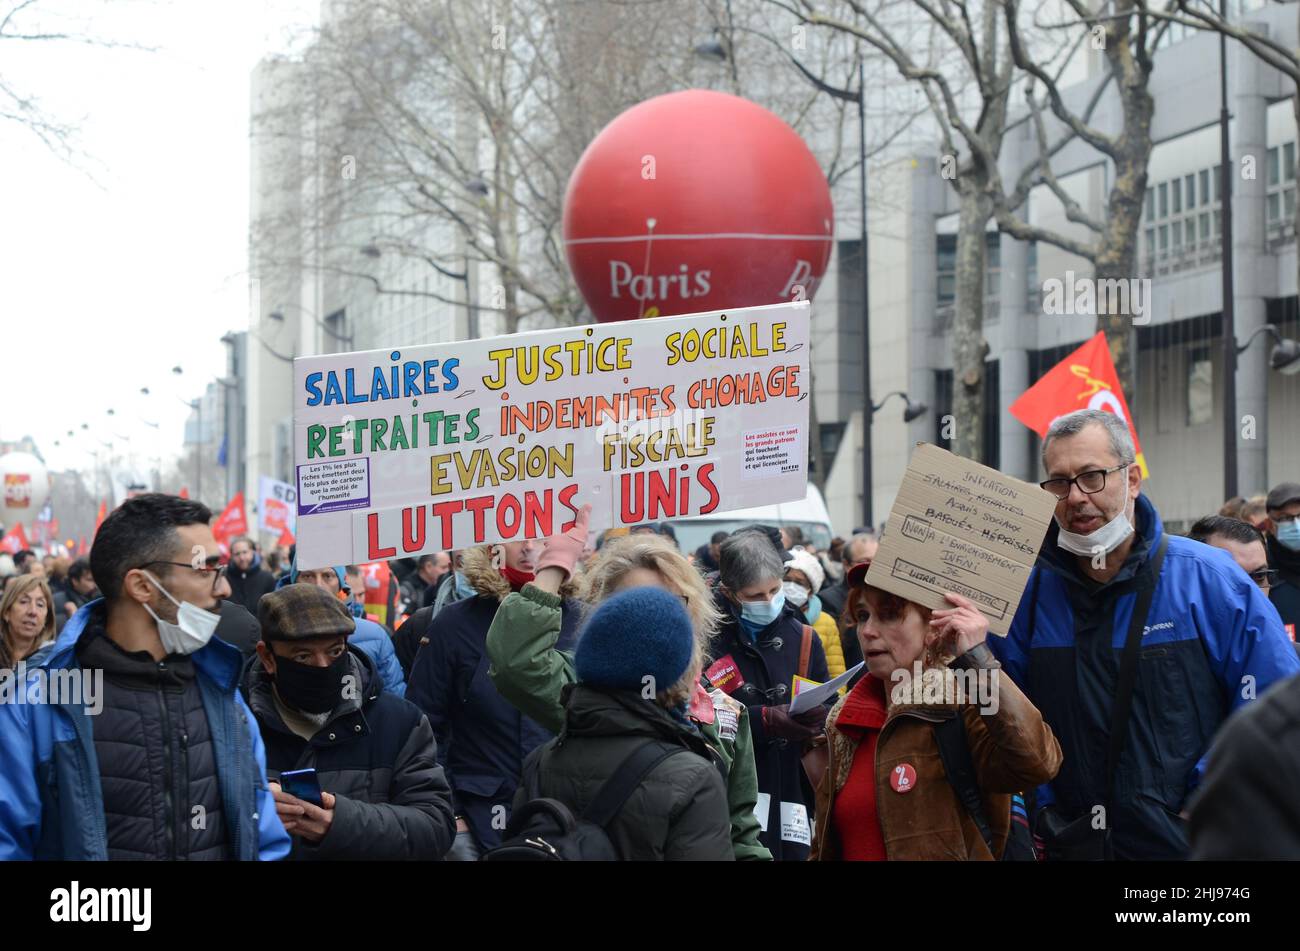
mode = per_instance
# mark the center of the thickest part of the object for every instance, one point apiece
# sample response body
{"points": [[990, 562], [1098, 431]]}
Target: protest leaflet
{"points": [[418, 449], [962, 527]]}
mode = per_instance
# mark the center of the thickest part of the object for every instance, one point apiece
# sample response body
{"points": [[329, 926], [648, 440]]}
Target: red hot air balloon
{"points": [[696, 201]]}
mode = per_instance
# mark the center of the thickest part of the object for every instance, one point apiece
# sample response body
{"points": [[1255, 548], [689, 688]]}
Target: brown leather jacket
{"points": [[1013, 750]]}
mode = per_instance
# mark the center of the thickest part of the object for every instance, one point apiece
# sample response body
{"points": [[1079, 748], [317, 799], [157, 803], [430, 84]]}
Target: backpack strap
{"points": [[1128, 663], [805, 650], [959, 767], [625, 780]]}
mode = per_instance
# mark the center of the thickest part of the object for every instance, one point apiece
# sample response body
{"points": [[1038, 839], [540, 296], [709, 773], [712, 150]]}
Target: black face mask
{"points": [[311, 689]]}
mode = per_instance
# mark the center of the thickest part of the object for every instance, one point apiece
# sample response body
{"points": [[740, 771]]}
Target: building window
{"points": [[1205, 226], [1274, 172], [1151, 242], [1189, 186], [1151, 203], [1178, 235], [1176, 186], [1205, 186], [1200, 387], [1288, 162], [1164, 240], [1274, 206], [1288, 204], [1164, 199], [1218, 183], [1218, 225]]}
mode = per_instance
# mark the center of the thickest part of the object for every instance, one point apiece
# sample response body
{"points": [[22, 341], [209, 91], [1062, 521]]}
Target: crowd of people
{"points": [[614, 697]]}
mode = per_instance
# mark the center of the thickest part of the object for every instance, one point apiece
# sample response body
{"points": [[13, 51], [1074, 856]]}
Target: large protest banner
{"points": [[960, 526], [417, 449], [277, 509]]}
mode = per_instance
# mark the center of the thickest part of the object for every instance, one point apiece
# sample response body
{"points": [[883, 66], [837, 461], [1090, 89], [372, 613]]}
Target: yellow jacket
{"points": [[829, 632]]}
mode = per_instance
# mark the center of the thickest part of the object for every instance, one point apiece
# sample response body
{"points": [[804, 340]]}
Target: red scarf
{"points": [[516, 577]]}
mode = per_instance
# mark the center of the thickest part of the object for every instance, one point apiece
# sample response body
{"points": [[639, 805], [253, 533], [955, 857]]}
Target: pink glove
{"points": [[563, 551]]}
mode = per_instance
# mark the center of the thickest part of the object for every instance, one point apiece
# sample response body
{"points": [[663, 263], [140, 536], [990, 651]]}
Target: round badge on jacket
{"points": [[903, 778]]}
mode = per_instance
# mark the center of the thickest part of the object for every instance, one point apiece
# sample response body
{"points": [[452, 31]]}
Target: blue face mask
{"points": [[1288, 534], [463, 587], [762, 613]]}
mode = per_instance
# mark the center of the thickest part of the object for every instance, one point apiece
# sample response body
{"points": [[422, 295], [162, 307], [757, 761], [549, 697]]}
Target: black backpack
{"points": [[954, 751], [546, 829]]}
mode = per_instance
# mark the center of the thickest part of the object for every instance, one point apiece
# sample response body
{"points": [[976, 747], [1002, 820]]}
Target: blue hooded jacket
{"points": [[1212, 643], [51, 804], [369, 636]]}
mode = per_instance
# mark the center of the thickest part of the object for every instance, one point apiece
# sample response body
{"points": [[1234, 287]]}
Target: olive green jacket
{"points": [[531, 674]]}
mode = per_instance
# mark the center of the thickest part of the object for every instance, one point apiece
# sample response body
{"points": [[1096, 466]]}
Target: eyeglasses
{"points": [[218, 571], [1264, 577], [1089, 483]]}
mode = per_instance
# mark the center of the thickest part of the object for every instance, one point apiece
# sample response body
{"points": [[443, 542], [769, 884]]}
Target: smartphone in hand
{"points": [[302, 784]]}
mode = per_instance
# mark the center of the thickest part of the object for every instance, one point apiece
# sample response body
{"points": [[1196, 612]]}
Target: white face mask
{"points": [[1105, 539], [795, 593], [193, 629]]}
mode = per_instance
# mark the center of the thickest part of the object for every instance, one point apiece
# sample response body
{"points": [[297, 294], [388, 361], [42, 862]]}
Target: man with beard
{"points": [[158, 758], [1134, 696], [248, 579]]}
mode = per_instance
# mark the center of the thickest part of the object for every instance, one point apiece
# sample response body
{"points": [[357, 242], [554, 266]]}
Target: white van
{"points": [[808, 513]]}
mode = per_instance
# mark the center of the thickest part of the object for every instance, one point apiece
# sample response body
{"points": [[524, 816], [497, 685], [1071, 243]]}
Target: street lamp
{"points": [[911, 410], [1285, 358]]}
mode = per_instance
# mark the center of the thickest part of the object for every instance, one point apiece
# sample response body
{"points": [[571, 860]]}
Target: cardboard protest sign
{"points": [[962, 527], [276, 506], [417, 449]]}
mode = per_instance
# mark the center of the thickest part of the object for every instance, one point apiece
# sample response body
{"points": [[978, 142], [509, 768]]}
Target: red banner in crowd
{"points": [[184, 492], [100, 516], [232, 521], [15, 540], [286, 538], [83, 549], [1086, 379]]}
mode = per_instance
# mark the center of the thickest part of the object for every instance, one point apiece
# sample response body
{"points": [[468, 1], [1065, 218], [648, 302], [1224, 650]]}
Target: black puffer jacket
{"points": [[376, 755], [678, 813], [156, 764]]}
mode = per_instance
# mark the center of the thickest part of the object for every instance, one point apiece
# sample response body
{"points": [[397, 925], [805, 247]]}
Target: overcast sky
{"points": [[108, 283]]}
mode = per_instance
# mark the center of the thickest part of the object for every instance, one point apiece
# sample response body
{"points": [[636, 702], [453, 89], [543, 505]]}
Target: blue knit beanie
{"points": [[637, 633]]}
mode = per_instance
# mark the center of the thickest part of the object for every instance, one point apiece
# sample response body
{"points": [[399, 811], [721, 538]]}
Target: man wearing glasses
{"points": [[165, 762], [1208, 643], [1283, 508]]}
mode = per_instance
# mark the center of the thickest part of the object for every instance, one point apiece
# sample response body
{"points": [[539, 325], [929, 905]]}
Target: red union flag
{"points": [[231, 521], [15, 540], [1086, 379]]}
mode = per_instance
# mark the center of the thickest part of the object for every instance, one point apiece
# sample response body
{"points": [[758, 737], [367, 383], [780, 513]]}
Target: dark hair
{"points": [[1233, 529], [717, 538], [242, 538], [139, 531], [428, 559], [21, 559], [78, 568]]}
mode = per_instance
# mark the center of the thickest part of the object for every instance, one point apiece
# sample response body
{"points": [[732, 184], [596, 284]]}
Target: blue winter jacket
{"points": [[1212, 642], [369, 636], [51, 804]]}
